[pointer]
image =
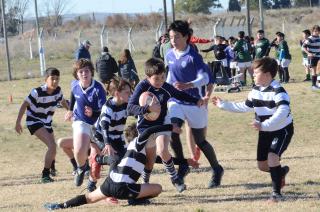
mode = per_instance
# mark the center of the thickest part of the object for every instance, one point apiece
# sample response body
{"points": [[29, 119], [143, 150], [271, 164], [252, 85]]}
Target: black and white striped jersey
{"points": [[42, 105], [312, 44], [132, 164], [271, 106], [110, 125]]}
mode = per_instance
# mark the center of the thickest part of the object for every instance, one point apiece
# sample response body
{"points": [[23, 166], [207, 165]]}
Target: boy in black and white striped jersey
{"points": [[273, 119], [40, 106], [122, 180]]}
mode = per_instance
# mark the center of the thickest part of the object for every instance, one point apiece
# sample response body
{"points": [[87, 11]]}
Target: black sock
{"points": [[45, 172], [176, 145], [280, 72], [276, 176], [170, 168], [205, 147], [53, 166], [286, 75], [176, 161], [146, 175], [74, 163], [74, 202], [307, 76], [314, 80]]}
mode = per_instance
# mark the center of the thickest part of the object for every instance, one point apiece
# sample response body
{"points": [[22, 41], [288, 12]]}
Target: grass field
{"points": [[244, 188]]}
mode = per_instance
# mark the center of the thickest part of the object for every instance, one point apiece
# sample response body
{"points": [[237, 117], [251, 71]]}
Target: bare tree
{"points": [[22, 6], [55, 9]]}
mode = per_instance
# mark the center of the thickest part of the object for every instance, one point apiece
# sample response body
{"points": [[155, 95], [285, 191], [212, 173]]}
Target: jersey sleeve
{"points": [[133, 107], [32, 98]]}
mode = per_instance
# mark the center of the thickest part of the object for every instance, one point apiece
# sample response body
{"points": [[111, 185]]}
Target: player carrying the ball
{"points": [[161, 91]]}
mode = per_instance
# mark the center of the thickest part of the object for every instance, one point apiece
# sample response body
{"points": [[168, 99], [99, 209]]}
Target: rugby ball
{"points": [[146, 99]]}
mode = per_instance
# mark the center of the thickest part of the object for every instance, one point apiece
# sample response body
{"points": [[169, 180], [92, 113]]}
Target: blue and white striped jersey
{"points": [[42, 105], [312, 44], [271, 106], [110, 125]]}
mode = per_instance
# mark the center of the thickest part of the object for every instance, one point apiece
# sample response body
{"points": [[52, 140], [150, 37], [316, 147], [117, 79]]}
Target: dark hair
{"points": [[105, 49], [52, 72], [260, 31], [316, 27], [130, 132], [117, 84], [81, 63], [125, 56], [182, 27], [154, 66], [307, 32], [266, 64], [241, 34]]}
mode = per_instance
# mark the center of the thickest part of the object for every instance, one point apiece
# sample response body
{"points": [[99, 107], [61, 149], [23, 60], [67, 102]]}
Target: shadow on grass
{"points": [[15, 206]]}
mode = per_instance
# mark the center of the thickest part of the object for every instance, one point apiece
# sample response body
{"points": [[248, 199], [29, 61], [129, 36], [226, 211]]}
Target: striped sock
{"points": [[146, 175], [170, 168]]}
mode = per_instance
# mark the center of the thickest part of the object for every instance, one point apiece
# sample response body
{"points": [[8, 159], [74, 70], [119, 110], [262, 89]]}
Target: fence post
{"points": [[79, 38], [215, 27], [130, 43], [102, 36], [283, 25], [30, 48], [41, 53]]}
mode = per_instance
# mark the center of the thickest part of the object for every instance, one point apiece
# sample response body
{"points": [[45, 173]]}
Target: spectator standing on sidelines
{"points": [[127, 68], [106, 66], [83, 50], [305, 61]]}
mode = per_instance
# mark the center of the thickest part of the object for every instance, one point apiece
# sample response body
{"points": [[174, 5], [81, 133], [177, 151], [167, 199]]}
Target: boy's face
{"points": [[157, 80], [52, 82], [304, 35], [315, 32], [260, 36], [178, 41], [125, 94], [84, 75], [260, 78]]}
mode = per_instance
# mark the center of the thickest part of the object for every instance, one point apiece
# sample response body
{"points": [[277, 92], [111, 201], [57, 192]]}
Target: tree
{"points": [[11, 18], [22, 6], [196, 6], [305, 3], [234, 5], [54, 10]]}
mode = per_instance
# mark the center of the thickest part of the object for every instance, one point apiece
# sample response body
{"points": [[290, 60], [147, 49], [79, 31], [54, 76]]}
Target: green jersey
{"points": [[283, 50], [242, 49], [261, 48]]}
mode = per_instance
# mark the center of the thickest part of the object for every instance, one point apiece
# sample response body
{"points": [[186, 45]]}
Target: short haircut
{"points": [[316, 27], [154, 66], [82, 63], [182, 27], [266, 64], [117, 84], [105, 49], [307, 32], [260, 31], [52, 72], [130, 132], [241, 34]]}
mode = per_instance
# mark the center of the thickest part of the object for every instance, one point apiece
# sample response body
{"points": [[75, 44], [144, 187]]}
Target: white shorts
{"points": [[152, 138], [80, 127], [233, 64], [305, 62], [197, 117], [284, 63], [244, 64]]}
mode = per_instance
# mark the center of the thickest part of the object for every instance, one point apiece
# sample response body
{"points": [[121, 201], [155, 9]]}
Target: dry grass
{"points": [[244, 188]]}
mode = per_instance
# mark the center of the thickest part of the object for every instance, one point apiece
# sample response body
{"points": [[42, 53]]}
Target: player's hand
{"points": [[206, 100], [88, 111], [68, 115], [176, 129], [200, 102], [18, 128], [216, 100], [154, 106], [195, 164], [256, 125], [183, 86], [108, 150]]}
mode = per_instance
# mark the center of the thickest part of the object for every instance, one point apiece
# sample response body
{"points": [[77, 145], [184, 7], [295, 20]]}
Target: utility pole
{"points": [[165, 14], [248, 18], [40, 45], [261, 15], [173, 12], [6, 39]]}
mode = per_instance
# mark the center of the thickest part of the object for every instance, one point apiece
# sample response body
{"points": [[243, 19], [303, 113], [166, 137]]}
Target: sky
{"points": [[121, 6]]}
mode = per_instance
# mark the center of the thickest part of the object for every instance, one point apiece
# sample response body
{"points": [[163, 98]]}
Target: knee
{"points": [[201, 144], [158, 189], [263, 166], [60, 143]]}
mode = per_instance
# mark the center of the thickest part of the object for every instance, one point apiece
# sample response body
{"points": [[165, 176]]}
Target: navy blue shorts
{"points": [[33, 128], [120, 190], [275, 142]]}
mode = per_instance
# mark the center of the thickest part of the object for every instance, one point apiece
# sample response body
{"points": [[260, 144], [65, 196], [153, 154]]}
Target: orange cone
{"points": [[10, 98]]}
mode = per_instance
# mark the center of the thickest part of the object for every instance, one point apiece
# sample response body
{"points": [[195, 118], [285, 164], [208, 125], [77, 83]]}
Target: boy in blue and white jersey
{"points": [[273, 119], [188, 73], [87, 98], [155, 83]]}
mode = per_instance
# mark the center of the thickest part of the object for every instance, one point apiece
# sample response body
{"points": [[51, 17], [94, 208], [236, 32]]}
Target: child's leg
{"points": [[66, 143], [151, 155], [149, 190], [48, 139], [263, 166], [190, 141], [275, 172], [81, 144]]}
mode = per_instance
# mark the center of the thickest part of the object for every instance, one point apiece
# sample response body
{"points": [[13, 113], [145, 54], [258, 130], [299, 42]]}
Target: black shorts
{"points": [[313, 61], [120, 190], [33, 128], [275, 142]]}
